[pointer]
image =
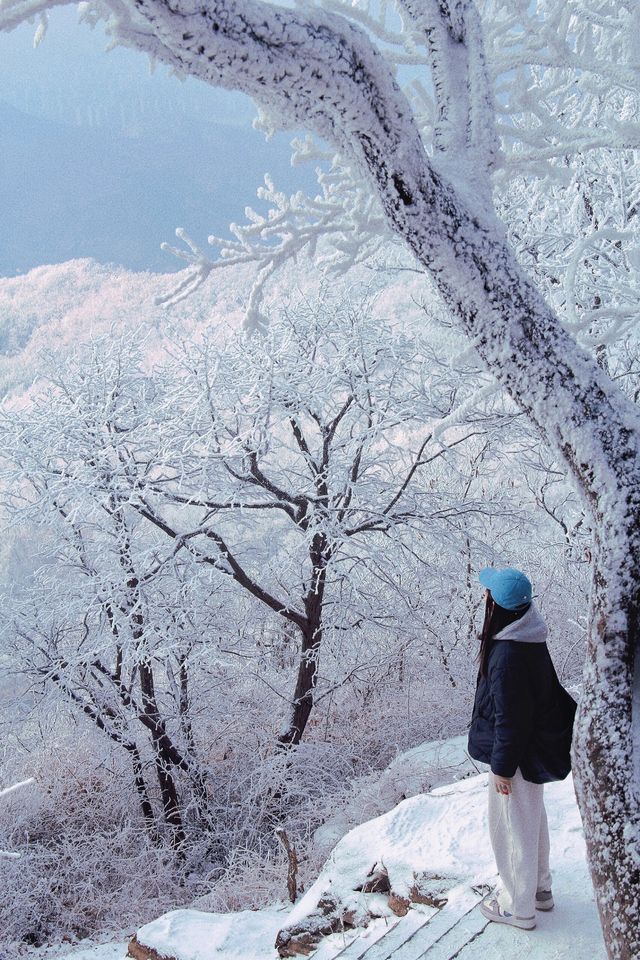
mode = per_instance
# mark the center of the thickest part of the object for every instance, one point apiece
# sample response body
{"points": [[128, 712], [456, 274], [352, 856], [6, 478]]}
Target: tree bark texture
{"points": [[307, 677], [143, 794], [162, 758]]}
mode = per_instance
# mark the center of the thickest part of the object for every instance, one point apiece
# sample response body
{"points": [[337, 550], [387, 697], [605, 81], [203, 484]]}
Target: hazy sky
{"points": [[72, 62], [100, 158]]}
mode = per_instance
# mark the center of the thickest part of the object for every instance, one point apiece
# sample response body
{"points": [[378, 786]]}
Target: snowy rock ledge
{"points": [[418, 770], [195, 935]]}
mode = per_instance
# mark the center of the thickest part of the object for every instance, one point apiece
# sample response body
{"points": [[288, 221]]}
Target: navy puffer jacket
{"points": [[522, 715]]}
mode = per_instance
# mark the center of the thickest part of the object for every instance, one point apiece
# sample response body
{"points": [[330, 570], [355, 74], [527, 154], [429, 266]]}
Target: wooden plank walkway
{"points": [[426, 933]]}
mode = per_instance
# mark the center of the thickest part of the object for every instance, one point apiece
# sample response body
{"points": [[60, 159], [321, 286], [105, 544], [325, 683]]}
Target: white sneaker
{"points": [[544, 900], [491, 909]]}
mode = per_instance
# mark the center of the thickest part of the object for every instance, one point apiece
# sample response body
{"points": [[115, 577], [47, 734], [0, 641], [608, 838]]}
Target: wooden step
{"points": [[381, 942], [402, 934], [425, 932], [356, 948], [454, 943], [456, 925]]}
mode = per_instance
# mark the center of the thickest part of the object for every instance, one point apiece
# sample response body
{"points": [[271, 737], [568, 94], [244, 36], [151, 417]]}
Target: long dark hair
{"points": [[496, 618]]}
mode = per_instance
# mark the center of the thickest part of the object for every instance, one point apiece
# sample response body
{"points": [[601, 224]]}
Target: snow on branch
{"points": [[15, 12], [313, 70], [8, 854], [565, 77], [620, 310], [16, 786], [464, 128], [346, 211]]}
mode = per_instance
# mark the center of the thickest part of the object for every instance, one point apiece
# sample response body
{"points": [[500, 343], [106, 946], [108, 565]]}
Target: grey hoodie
{"points": [[530, 628]]}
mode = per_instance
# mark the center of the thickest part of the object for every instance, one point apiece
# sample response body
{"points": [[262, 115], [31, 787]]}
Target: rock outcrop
{"points": [[301, 938], [138, 951]]}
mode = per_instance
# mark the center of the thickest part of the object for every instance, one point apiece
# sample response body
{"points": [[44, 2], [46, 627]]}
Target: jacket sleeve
{"points": [[513, 705]]}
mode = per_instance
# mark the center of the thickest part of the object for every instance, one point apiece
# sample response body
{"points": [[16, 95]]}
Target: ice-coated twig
{"points": [[292, 225], [201, 268], [15, 12], [16, 786], [8, 854], [578, 256]]}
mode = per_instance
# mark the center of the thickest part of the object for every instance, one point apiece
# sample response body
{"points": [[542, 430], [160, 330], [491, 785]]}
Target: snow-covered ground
{"points": [[418, 770], [88, 951], [443, 832]]}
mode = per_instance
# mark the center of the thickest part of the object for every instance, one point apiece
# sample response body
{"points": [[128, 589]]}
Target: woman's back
{"points": [[522, 715]]}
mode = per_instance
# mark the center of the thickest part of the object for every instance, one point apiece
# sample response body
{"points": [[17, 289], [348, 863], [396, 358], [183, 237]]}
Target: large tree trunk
{"points": [[606, 751], [306, 679]]}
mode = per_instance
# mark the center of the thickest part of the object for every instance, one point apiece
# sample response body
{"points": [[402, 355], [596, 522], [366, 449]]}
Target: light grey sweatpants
{"points": [[520, 840]]}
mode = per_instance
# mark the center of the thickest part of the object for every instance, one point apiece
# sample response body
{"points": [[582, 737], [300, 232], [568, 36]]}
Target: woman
{"points": [[522, 725]]}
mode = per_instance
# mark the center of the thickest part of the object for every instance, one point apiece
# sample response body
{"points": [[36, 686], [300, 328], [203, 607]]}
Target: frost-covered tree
{"points": [[103, 619], [300, 466], [318, 68], [306, 470]]}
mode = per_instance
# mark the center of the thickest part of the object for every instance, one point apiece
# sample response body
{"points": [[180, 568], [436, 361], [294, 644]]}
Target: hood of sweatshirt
{"points": [[530, 628]]}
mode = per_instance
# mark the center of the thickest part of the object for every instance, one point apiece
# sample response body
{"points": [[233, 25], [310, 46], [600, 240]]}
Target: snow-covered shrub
{"points": [[86, 864]]}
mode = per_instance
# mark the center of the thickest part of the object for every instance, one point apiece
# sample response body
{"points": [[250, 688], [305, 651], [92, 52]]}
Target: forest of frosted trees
{"points": [[245, 506]]}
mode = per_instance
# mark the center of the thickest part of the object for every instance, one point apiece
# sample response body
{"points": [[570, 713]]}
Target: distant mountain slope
{"points": [[53, 308], [114, 193]]}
